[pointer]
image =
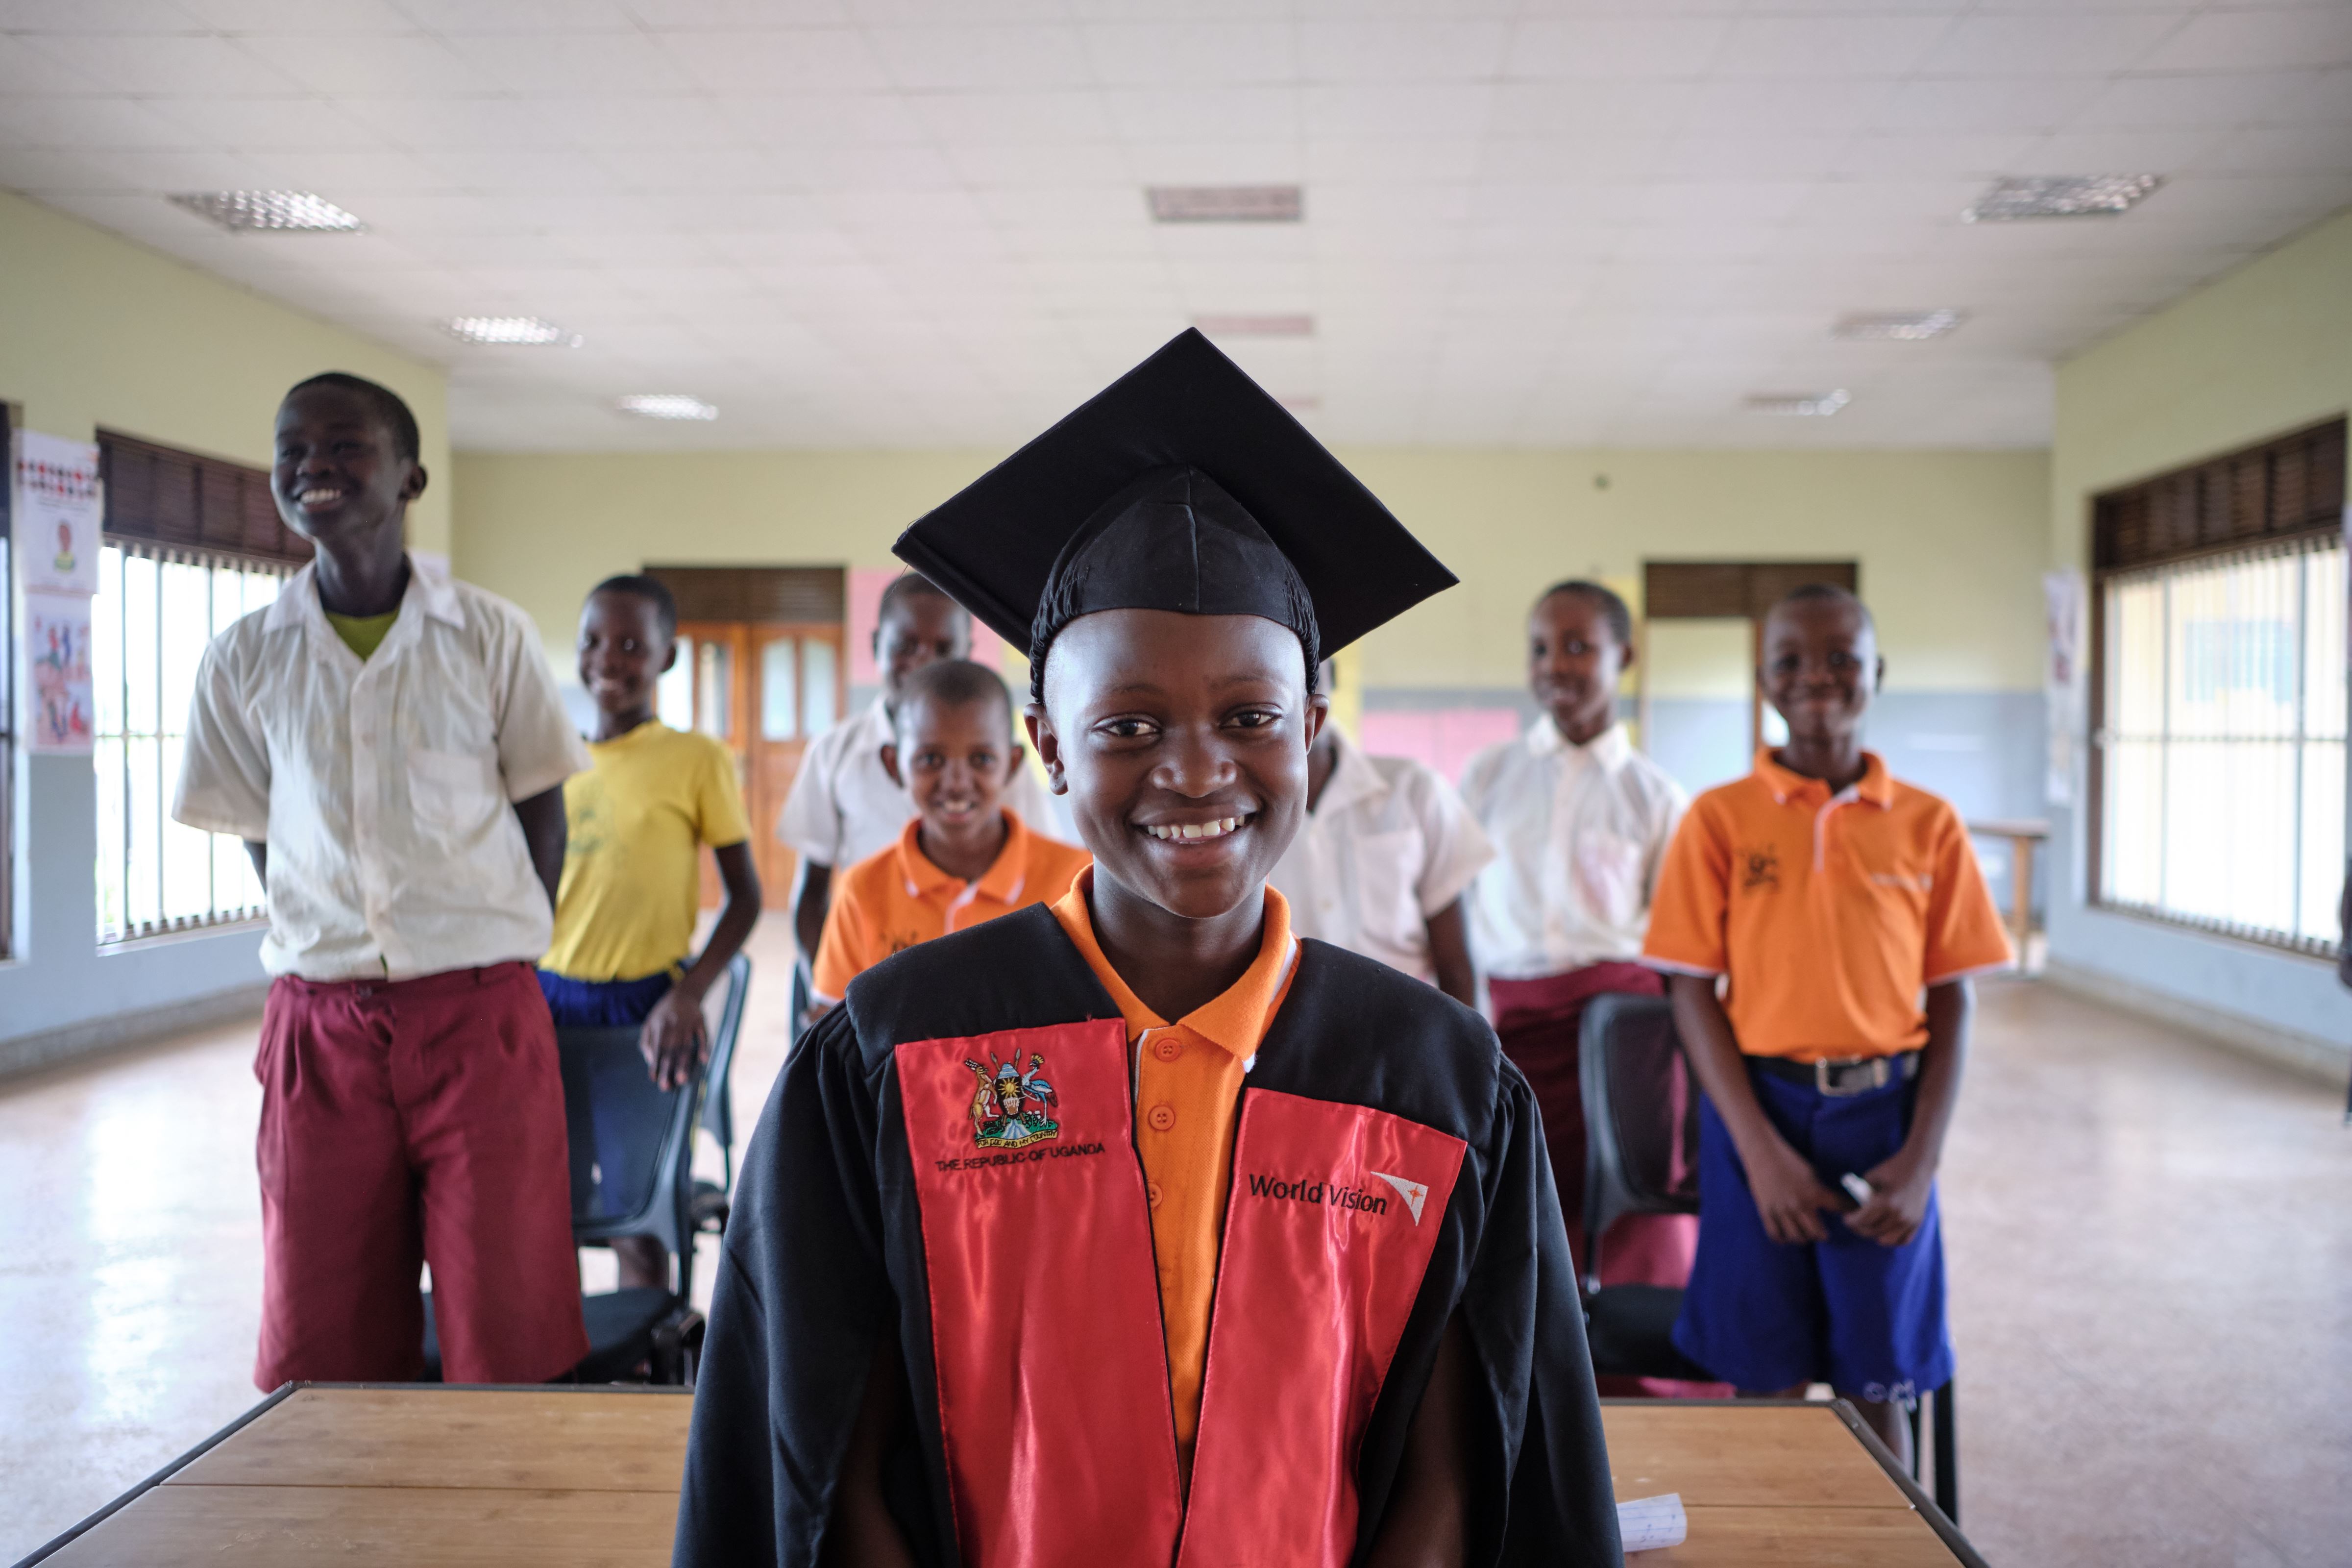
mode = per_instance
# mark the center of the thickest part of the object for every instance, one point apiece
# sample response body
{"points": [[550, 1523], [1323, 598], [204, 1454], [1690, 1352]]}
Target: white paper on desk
{"points": [[1647, 1523]]}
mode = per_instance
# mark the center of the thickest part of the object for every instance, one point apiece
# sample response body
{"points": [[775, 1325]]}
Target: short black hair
{"points": [[1613, 608], [389, 406], [651, 590], [956, 683], [904, 586], [1830, 594]]}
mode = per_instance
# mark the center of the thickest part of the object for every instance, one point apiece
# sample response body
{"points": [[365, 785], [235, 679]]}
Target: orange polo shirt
{"points": [[1830, 912], [1188, 1089], [896, 898]]}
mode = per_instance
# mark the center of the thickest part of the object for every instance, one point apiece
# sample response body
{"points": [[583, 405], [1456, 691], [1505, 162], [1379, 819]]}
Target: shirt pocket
{"points": [[1388, 879], [1607, 869], [449, 792]]}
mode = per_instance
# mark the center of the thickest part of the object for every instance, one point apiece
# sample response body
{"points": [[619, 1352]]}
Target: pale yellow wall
{"points": [[95, 331], [1950, 542], [2264, 351]]}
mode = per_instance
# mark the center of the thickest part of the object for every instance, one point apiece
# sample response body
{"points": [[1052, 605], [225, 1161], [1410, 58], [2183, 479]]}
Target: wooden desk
{"points": [[2024, 836], [410, 1474]]}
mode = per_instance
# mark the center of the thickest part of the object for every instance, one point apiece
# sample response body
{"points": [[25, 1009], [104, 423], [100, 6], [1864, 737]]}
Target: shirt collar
{"points": [[428, 583], [1876, 786], [1610, 748], [1001, 881], [1353, 777], [1235, 1021]]}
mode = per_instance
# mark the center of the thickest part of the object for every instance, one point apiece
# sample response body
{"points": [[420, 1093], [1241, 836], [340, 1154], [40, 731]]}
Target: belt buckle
{"points": [[1827, 1081]]}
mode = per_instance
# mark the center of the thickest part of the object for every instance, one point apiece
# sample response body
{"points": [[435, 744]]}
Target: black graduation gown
{"points": [[1389, 1173]]}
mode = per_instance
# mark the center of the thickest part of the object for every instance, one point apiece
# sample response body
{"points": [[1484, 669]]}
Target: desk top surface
{"points": [[591, 1477]]}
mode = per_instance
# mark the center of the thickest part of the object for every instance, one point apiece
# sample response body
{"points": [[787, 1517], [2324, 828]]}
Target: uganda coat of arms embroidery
{"points": [[1009, 1106]]}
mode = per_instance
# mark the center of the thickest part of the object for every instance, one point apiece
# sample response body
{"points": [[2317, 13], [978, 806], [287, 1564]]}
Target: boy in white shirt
{"points": [[1379, 865], [1579, 822], [389, 746]]}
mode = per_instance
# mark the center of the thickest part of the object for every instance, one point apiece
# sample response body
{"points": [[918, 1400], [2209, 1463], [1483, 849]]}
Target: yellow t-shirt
{"points": [[361, 634], [631, 879]]}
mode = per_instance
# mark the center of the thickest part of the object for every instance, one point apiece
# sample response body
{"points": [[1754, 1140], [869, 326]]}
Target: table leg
{"points": [[2021, 892]]}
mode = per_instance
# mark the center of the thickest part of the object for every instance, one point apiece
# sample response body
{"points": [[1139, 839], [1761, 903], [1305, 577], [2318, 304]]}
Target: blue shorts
{"points": [[1866, 1319], [601, 1004]]}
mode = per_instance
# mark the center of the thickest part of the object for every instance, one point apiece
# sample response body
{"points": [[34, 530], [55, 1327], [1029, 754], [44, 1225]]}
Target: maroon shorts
{"points": [[406, 1123]]}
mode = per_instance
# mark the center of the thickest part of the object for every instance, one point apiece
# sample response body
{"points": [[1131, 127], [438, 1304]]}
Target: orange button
{"points": [[1162, 1117], [1167, 1048], [1151, 1191]]}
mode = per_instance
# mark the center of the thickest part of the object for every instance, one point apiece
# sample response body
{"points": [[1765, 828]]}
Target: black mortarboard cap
{"points": [[1182, 485]]}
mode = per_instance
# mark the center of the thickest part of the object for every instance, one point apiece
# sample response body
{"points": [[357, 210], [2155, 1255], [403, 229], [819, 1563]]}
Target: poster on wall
{"points": [[59, 510], [2061, 682], [57, 663]]}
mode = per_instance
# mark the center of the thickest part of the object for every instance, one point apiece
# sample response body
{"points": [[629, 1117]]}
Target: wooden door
{"points": [[764, 690]]}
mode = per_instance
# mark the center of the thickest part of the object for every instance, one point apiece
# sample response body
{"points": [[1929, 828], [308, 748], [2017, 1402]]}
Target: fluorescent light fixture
{"points": [[527, 332], [1226, 204], [1899, 326], [1800, 405], [2062, 195], [1279, 326], [279, 212], [666, 406]]}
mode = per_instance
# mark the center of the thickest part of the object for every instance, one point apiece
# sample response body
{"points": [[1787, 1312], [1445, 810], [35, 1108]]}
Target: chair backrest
{"points": [[631, 1142], [723, 1015], [1640, 1117]]}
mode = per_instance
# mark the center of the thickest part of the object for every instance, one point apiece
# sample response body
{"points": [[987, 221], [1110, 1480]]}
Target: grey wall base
{"points": [[113, 1031], [2308, 1055]]}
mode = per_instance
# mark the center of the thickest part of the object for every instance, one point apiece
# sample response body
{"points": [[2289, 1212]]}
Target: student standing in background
{"points": [[1379, 865], [1843, 913], [625, 913], [845, 805], [1579, 822], [389, 746]]}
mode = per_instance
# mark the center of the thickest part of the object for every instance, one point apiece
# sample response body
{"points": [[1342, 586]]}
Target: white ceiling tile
{"points": [[1064, 206], [456, 123], [2179, 103], [731, 169], [23, 71], [1415, 161], [1398, 111], [282, 16], [1765, 156], [942, 58], [1015, 118], [374, 66], [2116, 152], [1827, 46], [1810, 105], [267, 123], [766, 64], [985, 165], [1619, 107], [520, 16], [844, 120], [1618, 48], [1356, 50], [159, 64], [42, 171], [2274, 148], [671, 14], [2048, 43], [117, 122], [639, 125], [2267, 39], [1980, 155], [1986, 103], [1173, 54], [347, 179], [568, 65], [541, 172], [96, 16], [878, 170], [1235, 162], [1593, 160], [1206, 113]]}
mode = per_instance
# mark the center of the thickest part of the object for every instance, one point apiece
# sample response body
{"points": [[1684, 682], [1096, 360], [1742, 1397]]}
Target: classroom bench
{"points": [[409, 1473]]}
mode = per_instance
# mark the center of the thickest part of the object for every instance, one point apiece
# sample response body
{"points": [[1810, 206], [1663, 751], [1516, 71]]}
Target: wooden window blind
{"points": [[167, 497], [2280, 489], [799, 594]]}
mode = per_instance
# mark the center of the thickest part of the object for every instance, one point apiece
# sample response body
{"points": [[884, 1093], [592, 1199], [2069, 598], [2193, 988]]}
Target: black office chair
{"points": [[723, 1009], [1641, 1143], [632, 1158]]}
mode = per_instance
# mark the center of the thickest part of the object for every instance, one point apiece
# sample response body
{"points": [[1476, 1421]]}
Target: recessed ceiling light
{"points": [[278, 211], [666, 406], [2064, 195], [527, 331], [1297, 326], [1803, 404], [1901, 326], [1226, 204]]}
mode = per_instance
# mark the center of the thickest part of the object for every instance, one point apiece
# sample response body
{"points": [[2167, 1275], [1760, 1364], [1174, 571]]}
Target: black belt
{"points": [[1843, 1076]]}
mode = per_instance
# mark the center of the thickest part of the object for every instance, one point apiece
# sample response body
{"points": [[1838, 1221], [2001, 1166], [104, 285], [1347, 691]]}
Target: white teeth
{"points": [[1189, 831], [312, 498]]}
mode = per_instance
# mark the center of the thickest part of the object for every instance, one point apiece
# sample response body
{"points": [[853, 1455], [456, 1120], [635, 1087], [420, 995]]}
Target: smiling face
{"points": [[1574, 660], [916, 629], [1181, 741], [623, 652], [1820, 667], [340, 478], [955, 758]]}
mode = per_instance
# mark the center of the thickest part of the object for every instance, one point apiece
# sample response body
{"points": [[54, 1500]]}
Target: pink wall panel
{"points": [[1442, 738], [865, 585]]}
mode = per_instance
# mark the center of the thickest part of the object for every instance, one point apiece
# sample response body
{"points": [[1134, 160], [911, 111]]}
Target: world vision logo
{"points": [[1332, 1194]]}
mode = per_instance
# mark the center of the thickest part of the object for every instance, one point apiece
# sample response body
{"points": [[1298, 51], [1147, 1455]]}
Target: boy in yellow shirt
{"points": [[624, 912]]}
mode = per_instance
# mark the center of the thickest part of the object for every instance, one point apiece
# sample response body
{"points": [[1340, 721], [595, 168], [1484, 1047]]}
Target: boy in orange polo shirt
{"points": [[963, 859], [1828, 896]]}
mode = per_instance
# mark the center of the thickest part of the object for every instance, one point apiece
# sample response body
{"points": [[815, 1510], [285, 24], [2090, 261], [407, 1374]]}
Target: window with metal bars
{"points": [[157, 607], [2221, 747]]}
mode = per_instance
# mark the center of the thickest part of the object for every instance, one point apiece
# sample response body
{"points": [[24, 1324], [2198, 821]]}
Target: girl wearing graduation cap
{"points": [[1286, 1283]]}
